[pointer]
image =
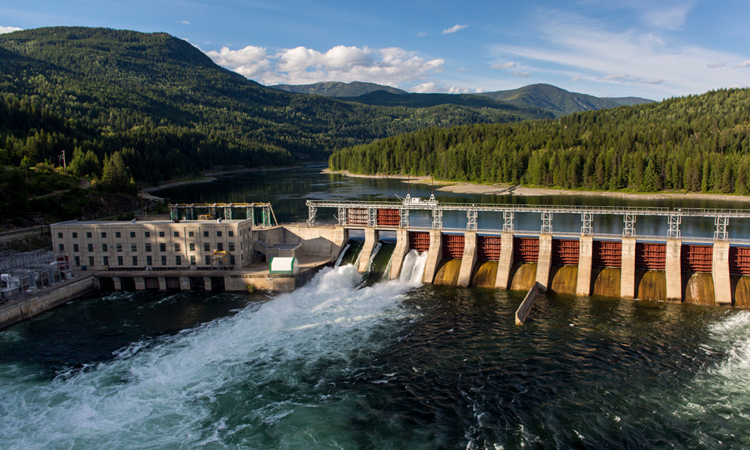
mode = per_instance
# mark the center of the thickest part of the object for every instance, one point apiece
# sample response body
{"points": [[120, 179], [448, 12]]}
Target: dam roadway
{"points": [[670, 268]]}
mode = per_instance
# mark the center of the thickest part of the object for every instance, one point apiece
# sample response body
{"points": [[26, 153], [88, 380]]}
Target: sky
{"points": [[609, 48]]}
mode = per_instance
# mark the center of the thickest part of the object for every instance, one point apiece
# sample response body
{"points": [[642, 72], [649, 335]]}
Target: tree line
{"points": [[693, 143]]}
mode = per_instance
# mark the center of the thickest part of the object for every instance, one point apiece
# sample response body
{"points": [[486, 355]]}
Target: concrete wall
{"points": [[720, 272], [18, 310], [371, 240], [585, 255], [434, 256], [318, 241], [505, 264], [674, 271], [469, 258], [402, 248], [545, 261], [627, 269]]}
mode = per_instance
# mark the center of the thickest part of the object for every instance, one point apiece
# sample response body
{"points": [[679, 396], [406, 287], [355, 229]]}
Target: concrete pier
{"points": [[674, 271], [469, 258], [140, 284], [434, 256], [720, 273], [505, 264], [545, 261], [371, 240], [402, 248], [585, 255], [627, 269]]}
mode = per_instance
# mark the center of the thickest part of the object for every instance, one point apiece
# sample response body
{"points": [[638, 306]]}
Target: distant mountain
{"points": [[552, 98], [629, 101], [337, 89], [382, 98]]}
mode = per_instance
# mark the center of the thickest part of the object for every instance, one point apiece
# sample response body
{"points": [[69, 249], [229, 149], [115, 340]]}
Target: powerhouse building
{"points": [[154, 244]]}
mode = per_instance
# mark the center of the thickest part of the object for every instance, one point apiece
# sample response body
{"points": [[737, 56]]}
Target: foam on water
{"points": [[180, 391], [341, 255]]}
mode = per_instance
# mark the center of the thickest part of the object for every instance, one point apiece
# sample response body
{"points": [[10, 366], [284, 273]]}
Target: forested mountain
{"points": [[628, 101], [382, 98], [694, 143], [337, 88], [552, 98], [163, 109]]}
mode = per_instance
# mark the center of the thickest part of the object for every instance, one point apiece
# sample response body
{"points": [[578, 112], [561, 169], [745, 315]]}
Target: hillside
{"points": [[337, 88], [695, 143], [628, 101], [552, 98], [169, 111]]}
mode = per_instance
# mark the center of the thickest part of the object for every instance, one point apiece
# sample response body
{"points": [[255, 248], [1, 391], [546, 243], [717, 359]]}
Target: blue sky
{"points": [[654, 49]]}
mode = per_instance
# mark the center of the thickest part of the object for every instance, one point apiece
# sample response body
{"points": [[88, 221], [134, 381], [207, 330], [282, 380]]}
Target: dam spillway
{"points": [[671, 268]]}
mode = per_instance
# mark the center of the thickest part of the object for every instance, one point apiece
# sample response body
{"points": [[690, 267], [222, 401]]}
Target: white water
{"points": [[722, 391], [412, 269], [374, 253], [341, 255], [256, 379]]}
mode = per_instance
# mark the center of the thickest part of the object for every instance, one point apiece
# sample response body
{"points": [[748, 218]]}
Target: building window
{"points": [[133, 248], [119, 260], [220, 246], [104, 234], [176, 234], [91, 248], [163, 260], [104, 247], [59, 235], [177, 247], [205, 234], [75, 235], [147, 234], [206, 247], [161, 234], [231, 260], [178, 260], [192, 260], [148, 247], [106, 260], [91, 261], [88, 235], [149, 261], [230, 233], [135, 260], [117, 234], [62, 248], [75, 248], [208, 260], [119, 247], [218, 234], [192, 246], [163, 247], [231, 246], [191, 234], [78, 260], [132, 234]]}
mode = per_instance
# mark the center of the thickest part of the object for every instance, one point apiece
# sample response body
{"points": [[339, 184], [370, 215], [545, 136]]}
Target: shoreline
{"points": [[460, 187], [211, 177]]}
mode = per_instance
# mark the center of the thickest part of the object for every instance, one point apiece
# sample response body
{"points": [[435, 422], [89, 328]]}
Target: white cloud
{"points": [[4, 30], [185, 22], [507, 65], [421, 34], [431, 87], [716, 65], [301, 65], [744, 64], [521, 74], [462, 69], [454, 28], [669, 19], [572, 43], [577, 78]]}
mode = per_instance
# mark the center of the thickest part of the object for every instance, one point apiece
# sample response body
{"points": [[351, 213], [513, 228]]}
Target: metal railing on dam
{"points": [[396, 215]]}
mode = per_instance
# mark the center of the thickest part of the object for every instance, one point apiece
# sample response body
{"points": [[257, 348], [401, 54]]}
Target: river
{"points": [[379, 365]]}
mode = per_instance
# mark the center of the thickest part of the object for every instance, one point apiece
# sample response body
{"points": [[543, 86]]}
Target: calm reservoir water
{"points": [[343, 363]]}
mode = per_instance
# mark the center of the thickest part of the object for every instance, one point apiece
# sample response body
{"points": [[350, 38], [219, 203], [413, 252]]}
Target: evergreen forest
{"points": [[696, 143]]}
